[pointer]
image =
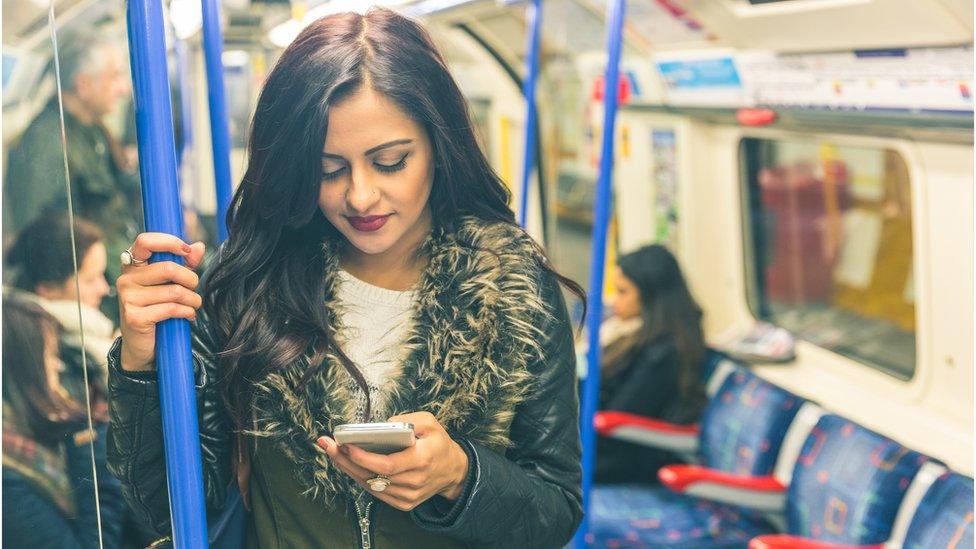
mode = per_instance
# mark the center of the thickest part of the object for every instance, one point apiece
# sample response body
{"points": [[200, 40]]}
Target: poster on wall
{"points": [[664, 177]]}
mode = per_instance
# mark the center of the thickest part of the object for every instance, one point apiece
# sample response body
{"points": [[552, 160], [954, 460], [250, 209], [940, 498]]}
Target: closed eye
{"points": [[333, 175], [392, 167]]}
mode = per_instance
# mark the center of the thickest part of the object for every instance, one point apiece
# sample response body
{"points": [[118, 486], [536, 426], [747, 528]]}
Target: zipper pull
{"points": [[364, 530]]}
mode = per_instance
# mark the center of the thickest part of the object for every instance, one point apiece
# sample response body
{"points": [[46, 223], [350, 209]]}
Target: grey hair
{"points": [[82, 51]]}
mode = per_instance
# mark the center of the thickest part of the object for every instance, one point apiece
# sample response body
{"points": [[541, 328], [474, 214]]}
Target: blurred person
{"points": [[49, 482], [41, 263], [653, 352], [104, 184]]}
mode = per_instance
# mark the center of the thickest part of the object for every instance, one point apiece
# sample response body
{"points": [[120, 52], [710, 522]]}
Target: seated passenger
{"points": [[41, 258], [49, 483], [653, 351]]}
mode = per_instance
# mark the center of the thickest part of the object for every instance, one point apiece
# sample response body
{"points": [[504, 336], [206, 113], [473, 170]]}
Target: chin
{"points": [[369, 244]]}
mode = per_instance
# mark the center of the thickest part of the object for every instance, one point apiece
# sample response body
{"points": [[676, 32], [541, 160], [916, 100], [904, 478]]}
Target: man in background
{"points": [[103, 177]]}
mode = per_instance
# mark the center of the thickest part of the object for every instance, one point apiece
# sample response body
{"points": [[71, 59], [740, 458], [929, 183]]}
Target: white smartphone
{"points": [[378, 438]]}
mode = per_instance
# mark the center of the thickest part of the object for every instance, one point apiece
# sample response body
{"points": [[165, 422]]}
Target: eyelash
{"points": [[328, 176]]}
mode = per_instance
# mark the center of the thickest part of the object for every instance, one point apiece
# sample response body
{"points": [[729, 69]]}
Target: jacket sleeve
{"points": [[530, 497], [135, 437]]}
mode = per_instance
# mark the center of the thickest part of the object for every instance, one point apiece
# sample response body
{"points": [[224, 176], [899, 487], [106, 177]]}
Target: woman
{"points": [[42, 259], [652, 359], [373, 269], [48, 479]]}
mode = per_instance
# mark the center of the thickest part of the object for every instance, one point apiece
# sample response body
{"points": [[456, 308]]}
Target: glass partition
{"points": [[70, 203]]}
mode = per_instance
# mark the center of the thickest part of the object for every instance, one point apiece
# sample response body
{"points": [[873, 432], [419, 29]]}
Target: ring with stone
{"points": [[128, 259], [378, 483]]}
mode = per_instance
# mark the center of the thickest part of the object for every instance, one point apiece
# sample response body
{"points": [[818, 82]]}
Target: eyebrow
{"points": [[376, 148]]}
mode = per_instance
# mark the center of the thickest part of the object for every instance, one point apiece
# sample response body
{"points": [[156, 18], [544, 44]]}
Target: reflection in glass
{"points": [[70, 196], [49, 494], [832, 230]]}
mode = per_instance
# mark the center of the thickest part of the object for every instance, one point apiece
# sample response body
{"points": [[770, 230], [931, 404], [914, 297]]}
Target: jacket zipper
{"points": [[363, 513]]}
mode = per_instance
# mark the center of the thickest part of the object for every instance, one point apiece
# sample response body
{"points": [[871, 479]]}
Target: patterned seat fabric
{"points": [[944, 518], [742, 430], [848, 483], [745, 423], [638, 516]]}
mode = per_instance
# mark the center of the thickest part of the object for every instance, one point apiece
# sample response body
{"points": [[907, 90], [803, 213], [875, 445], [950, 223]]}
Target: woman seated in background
{"points": [[42, 263], [49, 483], [652, 356]]}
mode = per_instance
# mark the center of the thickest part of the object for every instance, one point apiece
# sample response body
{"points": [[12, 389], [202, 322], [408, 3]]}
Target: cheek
{"points": [[70, 290], [330, 199]]}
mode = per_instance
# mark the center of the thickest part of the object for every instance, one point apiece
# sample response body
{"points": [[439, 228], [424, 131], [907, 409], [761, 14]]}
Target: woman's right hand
{"points": [[151, 293]]}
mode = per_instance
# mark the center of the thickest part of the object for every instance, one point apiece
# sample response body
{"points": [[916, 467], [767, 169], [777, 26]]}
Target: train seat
{"points": [[936, 512], [625, 515], [680, 439], [847, 488], [741, 435], [944, 516]]}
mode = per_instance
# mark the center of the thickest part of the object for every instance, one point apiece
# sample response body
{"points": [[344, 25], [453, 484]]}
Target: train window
{"points": [[831, 246]]}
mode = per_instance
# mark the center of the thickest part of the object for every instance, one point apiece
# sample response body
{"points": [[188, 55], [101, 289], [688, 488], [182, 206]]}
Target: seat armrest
{"points": [[647, 431], [786, 541], [764, 493]]}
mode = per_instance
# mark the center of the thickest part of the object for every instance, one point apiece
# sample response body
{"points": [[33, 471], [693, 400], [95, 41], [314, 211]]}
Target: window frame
{"points": [[753, 279]]}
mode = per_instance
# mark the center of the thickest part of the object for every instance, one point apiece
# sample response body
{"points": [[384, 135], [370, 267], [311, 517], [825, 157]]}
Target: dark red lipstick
{"points": [[368, 223]]}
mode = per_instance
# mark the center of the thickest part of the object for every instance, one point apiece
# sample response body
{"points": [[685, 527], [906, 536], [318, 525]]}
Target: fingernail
{"points": [[187, 249], [323, 442]]}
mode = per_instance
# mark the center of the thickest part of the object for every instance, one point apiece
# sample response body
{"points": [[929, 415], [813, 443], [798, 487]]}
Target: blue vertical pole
{"points": [[161, 204], [601, 222], [213, 50], [534, 15]]}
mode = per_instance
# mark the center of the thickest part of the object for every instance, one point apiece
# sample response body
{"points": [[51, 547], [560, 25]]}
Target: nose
{"points": [[103, 287], [361, 196]]}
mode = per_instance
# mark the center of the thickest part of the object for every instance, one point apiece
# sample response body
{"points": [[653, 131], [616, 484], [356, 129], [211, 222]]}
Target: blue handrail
{"points": [[534, 15], [601, 222], [161, 204], [213, 49]]}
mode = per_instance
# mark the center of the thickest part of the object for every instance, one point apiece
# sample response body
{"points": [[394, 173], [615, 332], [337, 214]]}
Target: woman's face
{"points": [[627, 300], [91, 287], [377, 174]]}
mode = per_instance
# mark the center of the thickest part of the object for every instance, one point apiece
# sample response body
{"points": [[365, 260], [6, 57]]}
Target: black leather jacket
{"points": [[530, 497]]}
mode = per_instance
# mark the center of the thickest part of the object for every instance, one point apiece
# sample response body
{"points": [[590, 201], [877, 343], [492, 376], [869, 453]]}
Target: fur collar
{"points": [[476, 331]]}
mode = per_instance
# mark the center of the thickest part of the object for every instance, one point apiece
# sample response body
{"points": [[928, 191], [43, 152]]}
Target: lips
{"points": [[368, 223]]}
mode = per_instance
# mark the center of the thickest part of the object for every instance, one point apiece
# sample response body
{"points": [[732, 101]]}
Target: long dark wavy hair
{"points": [[266, 290], [29, 333], [669, 312]]}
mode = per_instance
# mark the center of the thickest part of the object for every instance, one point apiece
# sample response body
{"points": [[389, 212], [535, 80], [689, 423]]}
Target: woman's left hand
{"points": [[434, 465]]}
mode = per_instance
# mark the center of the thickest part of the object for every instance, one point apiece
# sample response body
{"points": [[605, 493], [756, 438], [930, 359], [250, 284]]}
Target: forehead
{"points": [[366, 119], [108, 58]]}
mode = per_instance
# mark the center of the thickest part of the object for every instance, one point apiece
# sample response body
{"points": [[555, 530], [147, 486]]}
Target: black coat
{"points": [[489, 320], [32, 520], [648, 387]]}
